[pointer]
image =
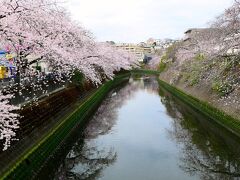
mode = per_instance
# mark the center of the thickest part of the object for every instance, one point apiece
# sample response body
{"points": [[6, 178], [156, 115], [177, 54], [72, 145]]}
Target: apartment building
{"points": [[139, 50]]}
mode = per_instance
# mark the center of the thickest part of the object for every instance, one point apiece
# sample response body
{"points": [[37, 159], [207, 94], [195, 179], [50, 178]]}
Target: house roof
{"points": [[199, 29], [2, 52]]}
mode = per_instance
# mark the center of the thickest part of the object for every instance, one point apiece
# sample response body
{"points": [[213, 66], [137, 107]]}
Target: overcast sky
{"points": [[138, 20]]}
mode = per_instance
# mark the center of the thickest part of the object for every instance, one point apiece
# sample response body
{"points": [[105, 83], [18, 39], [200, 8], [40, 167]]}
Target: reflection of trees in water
{"points": [[106, 115], [148, 83], [204, 153], [87, 158], [86, 161]]}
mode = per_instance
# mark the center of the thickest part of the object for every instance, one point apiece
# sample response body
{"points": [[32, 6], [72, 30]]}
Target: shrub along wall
{"points": [[145, 72], [28, 165]]}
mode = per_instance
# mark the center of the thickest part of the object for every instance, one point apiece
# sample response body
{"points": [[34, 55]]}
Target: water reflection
{"points": [[206, 150], [88, 158], [173, 140], [85, 161]]}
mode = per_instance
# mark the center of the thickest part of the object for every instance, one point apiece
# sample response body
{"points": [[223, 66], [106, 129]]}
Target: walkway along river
{"points": [[142, 132]]}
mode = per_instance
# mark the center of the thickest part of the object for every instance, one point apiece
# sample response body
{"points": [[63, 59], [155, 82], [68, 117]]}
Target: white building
{"points": [[41, 65], [139, 51]]}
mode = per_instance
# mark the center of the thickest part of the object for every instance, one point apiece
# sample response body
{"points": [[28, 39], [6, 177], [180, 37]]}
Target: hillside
{"points": [[216, 81], [206, 62]]}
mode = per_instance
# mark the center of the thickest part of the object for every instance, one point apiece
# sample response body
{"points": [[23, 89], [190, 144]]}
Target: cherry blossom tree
{"points": [[8, 120], [220, 39], [109, 59], [229, 22], [205, 41], [43, 30]]}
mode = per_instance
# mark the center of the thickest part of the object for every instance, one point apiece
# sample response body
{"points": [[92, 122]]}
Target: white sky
{"points": [[138, 20]]}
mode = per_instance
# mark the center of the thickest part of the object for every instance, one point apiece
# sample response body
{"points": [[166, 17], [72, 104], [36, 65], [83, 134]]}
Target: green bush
{"points": [[199, 57], [194, 80], [39, 68], [164, 58], [78, 78], [162, 66], [191, 78], [222, 88]]}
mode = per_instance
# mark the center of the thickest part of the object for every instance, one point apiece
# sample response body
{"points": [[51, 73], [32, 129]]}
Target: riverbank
{"points": [[31, 161], [206, 106], [220, 117], [214, 81]]}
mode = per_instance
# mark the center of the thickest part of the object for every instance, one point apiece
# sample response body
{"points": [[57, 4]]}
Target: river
{"points": [[142, 132]]}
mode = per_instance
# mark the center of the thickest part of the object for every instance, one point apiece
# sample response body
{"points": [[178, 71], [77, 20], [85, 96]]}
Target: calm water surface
{"points": [[141, 132]]}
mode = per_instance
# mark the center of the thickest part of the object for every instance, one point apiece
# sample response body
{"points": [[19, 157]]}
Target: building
{"points": [[42, 66], [190, 33], [7, 65], [206, 34], [139, 50], [160, 44]]}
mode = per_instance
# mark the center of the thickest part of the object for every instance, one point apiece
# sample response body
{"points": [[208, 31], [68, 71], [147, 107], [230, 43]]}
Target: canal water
{"points": [[141, 132]]}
